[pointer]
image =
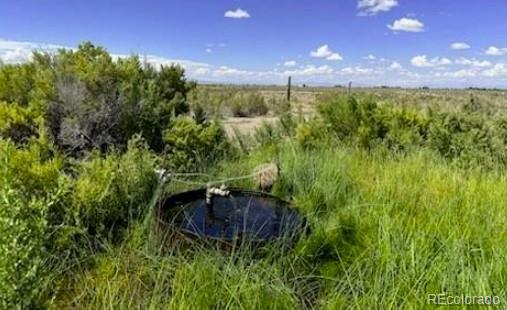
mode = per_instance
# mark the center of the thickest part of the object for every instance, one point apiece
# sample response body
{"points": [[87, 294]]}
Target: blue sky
{"points": [[445, 43]]}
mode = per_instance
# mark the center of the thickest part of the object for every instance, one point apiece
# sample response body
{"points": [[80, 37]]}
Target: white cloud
{"points": [[13, 52], [237, 14], [193, 69], [422, 61], [373, 7], [325, 52], [311, 70], [356, 70], [466, 73], [496, 51], [223, 71], [441, 61], [290, 63], [321, 52], [407, 24], [201, 71], [370, 57], [211, 46], [15, 56], [158, 61], [395, 66], [457, 46], [473, 62], [498, 70], [335, 56]]}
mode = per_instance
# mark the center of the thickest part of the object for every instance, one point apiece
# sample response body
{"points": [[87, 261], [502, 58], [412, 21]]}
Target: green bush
{"points": [[31, 193], [24, 275], [17, 83], [193, 147], [89, 101], [211, 102], [48, 219], [30, 170], [111, 192], [404, 128], [471, 138], [248, 104], [15, 122], [353, 120], [310, 135]]}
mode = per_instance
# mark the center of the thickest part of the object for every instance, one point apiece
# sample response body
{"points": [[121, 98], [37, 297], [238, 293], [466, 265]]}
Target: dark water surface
{"points": [[250, 215]]}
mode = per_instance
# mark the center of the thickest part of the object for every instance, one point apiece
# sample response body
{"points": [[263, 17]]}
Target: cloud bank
{"points": [[423, 70]]}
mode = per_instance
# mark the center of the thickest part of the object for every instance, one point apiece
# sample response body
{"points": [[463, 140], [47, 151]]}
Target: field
{"points": [[404, 189], [304, 100]]}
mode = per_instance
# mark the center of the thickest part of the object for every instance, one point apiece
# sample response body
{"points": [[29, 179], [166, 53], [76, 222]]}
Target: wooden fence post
{"points": [[288, 89]]}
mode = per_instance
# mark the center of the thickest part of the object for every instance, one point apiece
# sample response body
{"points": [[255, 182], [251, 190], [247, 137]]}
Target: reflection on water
{"points": [[251, 215]]}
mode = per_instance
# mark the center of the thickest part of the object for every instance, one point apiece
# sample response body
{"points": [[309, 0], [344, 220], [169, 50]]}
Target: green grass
{"points": [[404, 190], [386, 232]]}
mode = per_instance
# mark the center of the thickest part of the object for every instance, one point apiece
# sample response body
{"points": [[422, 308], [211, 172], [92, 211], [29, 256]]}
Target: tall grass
{"points": [[386, 232], [403, 202]]}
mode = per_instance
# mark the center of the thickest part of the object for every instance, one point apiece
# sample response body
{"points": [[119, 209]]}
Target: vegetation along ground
{"points": [[405, 190]]}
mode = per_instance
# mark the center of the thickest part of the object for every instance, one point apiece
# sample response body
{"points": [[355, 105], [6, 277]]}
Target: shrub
{"points": [[23, 231], [31, 193], [112, 191], [29, 170], [17, 83], [249, 104], [15, 123], [267, 134], [404, 128], [470, 138], [193, 147], [47, 218], [279, 105], [90, 101], [208, 101], [342, 115], [288, 124], [353, 120], [311, 134]]}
